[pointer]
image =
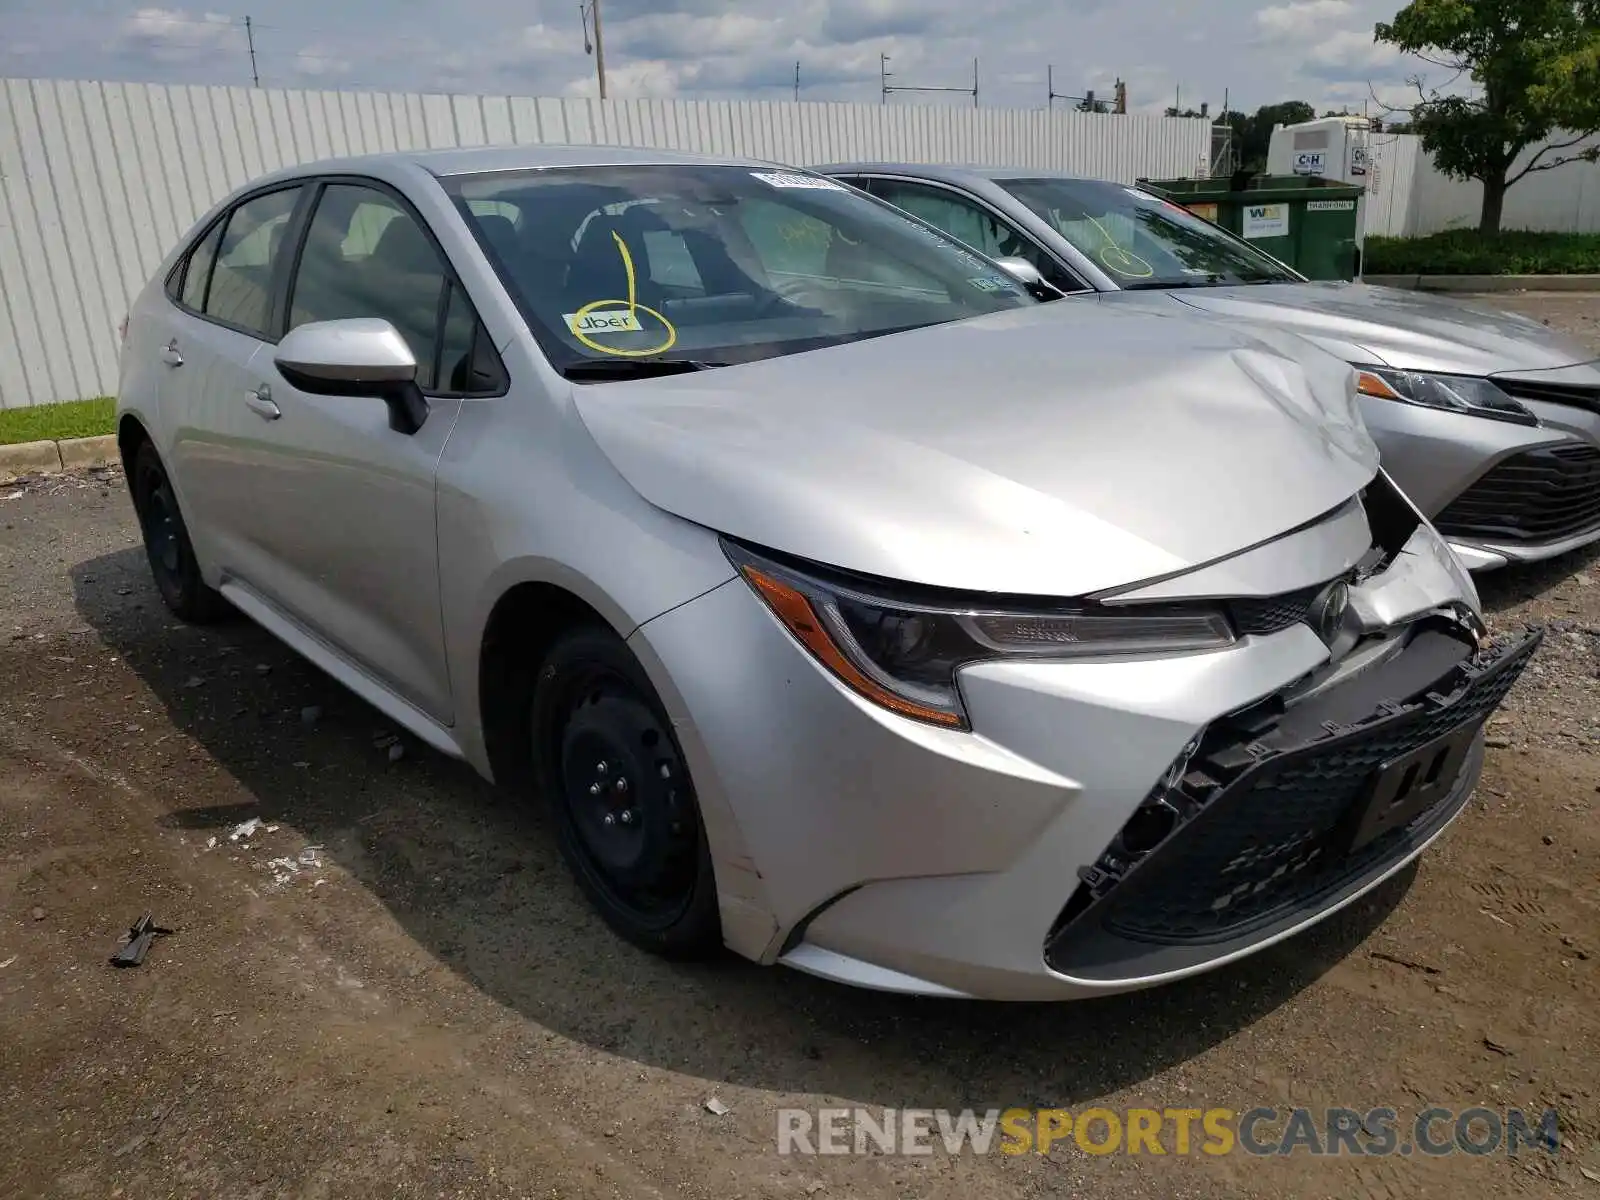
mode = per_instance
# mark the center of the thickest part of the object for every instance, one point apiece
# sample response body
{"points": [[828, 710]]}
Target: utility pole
{"points": [[797, 81], [590, 10], [885, 87], [250, 40]]}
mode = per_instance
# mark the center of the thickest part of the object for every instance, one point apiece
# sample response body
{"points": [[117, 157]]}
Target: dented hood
{"points": [[1047, 450]]}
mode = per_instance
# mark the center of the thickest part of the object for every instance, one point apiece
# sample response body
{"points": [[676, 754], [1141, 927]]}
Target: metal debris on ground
{"points": [[248, 829], [717, 1108], [140, 934]]}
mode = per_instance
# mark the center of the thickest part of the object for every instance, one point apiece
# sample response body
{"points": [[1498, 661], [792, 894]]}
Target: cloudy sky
{"points": [[1317, 50]]}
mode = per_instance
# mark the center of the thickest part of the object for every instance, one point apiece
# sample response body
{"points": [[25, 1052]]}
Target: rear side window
{"points": [[367, 255], [252, 242], [197, 271]]}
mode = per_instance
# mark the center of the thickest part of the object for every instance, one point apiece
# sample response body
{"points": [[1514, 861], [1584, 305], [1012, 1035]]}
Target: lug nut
{"points": [[622, 785], [666, 771], [594, 789], [608, 819], [626, 817]]}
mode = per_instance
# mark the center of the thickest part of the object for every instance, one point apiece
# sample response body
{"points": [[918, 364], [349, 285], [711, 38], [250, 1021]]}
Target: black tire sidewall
{"points": [[696, 932], [184, 591]]}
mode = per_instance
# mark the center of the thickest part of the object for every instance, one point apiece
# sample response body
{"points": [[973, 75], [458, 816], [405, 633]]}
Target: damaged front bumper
{"points": [[1278, 815]]}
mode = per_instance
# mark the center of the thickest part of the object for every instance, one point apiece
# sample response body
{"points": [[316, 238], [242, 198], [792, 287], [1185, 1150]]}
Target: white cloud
{"points": [[1300, 18], [172, 35], [1351, 54], [1261, 51]]}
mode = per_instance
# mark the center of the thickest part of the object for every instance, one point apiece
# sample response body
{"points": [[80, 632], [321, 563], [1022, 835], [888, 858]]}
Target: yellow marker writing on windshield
{"points": [[633, 307], [1114, 254]]}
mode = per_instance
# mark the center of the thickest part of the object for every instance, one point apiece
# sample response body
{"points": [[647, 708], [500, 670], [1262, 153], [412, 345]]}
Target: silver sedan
{"points": [[1489, 421], [845, 605]]}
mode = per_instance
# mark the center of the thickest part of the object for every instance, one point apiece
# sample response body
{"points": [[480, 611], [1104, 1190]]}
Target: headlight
{"points": [[1452, 393], [903, 654]]}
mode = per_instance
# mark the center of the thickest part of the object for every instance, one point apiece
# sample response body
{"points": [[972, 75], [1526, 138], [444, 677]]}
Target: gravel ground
{"points": [[392, 988]]}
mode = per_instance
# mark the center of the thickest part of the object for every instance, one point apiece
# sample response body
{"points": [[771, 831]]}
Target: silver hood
{"points": [[1031, 452], [1409, 330]]}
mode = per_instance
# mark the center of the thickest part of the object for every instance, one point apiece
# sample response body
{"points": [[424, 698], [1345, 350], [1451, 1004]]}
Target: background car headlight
{"points": [[1452, 393], [903, 655]]}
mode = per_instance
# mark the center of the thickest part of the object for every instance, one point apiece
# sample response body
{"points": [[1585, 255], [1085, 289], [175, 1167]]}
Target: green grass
{"points": [[75, 419], [1468, 252]]}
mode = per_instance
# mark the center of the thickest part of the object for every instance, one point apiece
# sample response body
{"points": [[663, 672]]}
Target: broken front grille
{"points": [[1256, 833]]}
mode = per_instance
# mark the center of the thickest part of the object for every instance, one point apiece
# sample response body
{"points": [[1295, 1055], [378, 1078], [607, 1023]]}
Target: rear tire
{"points": [[627, 821], [167, 545]]}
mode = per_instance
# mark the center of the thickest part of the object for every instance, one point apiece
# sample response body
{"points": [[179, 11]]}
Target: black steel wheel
{"points": [[167, 545], [627, 818]]}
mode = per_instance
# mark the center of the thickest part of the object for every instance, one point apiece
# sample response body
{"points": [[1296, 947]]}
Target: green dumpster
{"points": [[1302, 220]]}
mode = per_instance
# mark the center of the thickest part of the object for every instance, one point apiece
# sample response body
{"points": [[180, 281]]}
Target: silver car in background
{"points": [[1489, 421], [843, 604]]}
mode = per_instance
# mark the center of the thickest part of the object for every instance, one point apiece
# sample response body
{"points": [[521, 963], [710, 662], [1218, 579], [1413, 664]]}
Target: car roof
{"points": [[475, 160], [946, 172]]}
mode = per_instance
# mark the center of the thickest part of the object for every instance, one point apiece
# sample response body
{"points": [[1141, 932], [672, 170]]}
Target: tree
{"points": [[1536, 64], [1252, 135]]}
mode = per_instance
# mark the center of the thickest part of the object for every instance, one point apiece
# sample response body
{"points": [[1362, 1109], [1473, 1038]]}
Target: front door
{"points": [[344, 506]]}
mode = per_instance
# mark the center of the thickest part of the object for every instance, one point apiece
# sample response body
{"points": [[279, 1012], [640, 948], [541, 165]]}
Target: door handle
{"points": [[261, 403], [170, 355]]}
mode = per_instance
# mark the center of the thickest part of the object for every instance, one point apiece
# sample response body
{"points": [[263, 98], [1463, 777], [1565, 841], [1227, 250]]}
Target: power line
{"points": [[884, 75]]}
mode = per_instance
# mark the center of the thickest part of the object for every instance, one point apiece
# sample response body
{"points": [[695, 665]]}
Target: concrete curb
{"points": [[53, 457], [1487, 283]]}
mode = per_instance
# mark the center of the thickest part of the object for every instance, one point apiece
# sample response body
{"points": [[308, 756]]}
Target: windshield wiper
{"points": [[601, 369], [1187, 281]]}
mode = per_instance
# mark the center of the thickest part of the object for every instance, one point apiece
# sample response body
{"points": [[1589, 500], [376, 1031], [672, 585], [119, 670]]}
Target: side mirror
{"points": [[360, 356], [1029, 276]]}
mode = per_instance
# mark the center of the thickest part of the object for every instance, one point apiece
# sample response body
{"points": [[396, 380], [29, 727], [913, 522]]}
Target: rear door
{"points": [[226, 299], [342, 515]]}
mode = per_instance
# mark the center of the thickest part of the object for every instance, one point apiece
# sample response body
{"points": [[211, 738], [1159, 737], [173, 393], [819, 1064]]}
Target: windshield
{"points": [[711, 265], [1142, 241]]}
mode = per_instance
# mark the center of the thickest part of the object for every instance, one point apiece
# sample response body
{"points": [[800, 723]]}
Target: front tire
{"points": [[167, 545], [627, 821]]}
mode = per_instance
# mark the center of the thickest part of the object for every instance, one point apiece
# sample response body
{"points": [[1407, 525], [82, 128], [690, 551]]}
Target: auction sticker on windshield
{"points": [[793, 179]]}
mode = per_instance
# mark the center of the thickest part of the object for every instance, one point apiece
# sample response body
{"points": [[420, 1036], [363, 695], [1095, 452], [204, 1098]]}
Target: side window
{"points": [[241, 281], [469, 365], [970, 222], [197, 271], [366, 256]]}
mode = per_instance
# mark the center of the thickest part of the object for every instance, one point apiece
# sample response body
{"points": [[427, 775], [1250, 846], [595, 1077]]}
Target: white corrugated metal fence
{"points": [[1410, 197], [99, 180]]}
